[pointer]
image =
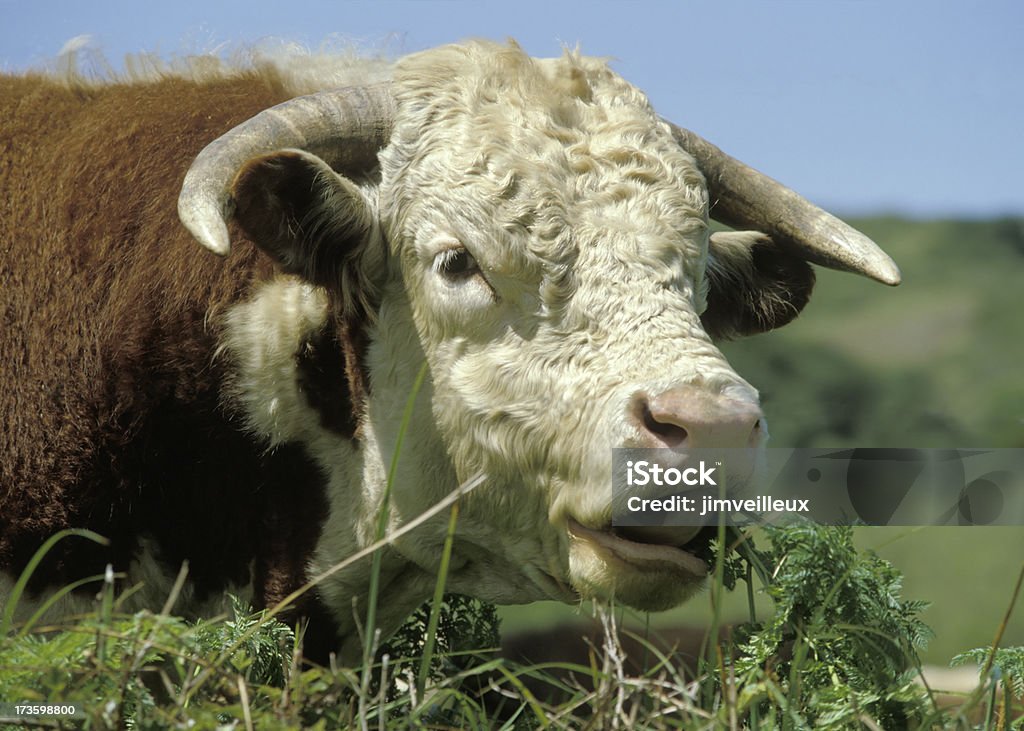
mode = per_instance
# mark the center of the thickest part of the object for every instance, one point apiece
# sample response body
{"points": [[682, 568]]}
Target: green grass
{"points": [[839, 650]]}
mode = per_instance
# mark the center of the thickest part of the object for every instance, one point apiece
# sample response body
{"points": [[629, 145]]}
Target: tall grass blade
{"points": [[384, 514], [435, 606], [986, 669], [37, 557]]}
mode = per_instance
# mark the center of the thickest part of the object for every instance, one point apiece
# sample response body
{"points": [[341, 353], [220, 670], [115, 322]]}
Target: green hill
{"points": [[934, 362]]}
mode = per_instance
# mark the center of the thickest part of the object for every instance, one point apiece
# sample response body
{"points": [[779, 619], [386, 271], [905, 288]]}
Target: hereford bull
{"points": [[530, 229]]}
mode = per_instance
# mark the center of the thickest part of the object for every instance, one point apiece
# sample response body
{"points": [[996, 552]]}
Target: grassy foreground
{"points": [[838, 651]]}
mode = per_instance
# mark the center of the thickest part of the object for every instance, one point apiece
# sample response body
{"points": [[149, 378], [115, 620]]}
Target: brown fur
{"points": [[110, 412]]}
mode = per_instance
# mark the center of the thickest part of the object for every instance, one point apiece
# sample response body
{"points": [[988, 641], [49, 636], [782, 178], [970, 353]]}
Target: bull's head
{"points": [[540, 236]]}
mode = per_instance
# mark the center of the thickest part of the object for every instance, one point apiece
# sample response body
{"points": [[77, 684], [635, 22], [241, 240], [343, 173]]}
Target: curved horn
{"points": [[345, 127], [743, 197]]}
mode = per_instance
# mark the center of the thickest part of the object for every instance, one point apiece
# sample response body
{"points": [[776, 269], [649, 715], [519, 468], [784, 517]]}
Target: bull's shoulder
{"points": [[109, 308]]}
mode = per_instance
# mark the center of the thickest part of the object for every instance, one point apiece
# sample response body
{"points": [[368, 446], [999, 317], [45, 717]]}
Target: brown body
{"points": [[109, 388]]}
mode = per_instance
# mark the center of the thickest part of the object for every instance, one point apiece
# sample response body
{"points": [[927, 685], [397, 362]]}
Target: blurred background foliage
{"points": [[935, 362]]}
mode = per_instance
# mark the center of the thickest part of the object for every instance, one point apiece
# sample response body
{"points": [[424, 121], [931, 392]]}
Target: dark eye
{"points": [[455, 263]]}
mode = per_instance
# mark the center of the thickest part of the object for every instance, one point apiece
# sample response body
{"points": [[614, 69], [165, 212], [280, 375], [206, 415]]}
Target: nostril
{"points": [[687, 417], [671, 434]]}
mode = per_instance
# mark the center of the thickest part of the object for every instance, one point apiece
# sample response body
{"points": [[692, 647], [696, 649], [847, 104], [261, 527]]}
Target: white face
{"points": [[553, 255]]}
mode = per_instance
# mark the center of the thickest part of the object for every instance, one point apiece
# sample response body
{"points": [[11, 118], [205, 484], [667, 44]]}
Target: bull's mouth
{"points": [[636, 549]]}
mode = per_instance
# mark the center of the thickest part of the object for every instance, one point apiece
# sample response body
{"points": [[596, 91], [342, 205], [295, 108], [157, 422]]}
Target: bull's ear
{"points": [[753, 286], [312, 221]]}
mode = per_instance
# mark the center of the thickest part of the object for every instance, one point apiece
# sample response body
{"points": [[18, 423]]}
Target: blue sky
{"points": [[897, 106]]}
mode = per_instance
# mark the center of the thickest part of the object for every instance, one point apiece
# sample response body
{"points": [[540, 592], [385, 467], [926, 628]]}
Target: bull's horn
{"points": [[745, 198], [345, 127]]}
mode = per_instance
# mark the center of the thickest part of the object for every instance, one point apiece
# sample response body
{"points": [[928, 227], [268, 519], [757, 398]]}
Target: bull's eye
{"points": [[455, 264]]}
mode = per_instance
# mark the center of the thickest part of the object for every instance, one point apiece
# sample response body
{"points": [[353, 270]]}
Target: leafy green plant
{"points": [[841, 644], [999, 667], [1003, 670], [1007, 665]]}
